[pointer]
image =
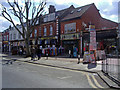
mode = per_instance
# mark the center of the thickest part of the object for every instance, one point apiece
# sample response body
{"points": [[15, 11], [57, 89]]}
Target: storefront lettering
{"points": [[70, 36]]}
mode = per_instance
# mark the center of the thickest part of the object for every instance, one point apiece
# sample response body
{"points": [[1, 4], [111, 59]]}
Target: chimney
{"points": [[51, 9]]}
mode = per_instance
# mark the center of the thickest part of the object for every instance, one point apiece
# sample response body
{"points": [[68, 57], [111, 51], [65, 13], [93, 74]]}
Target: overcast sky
{"points": [[108, 8]]}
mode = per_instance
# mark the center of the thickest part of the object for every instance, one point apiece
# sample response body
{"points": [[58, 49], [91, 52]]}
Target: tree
{"points": [[27, 14]]}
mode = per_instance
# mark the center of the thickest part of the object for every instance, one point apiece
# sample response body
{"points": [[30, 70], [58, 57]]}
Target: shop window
{"points": [[45, 31], [51, 30]]}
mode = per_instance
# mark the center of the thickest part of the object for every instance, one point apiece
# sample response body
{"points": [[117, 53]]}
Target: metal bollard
{"points": [[78, 59], [46, 56]]}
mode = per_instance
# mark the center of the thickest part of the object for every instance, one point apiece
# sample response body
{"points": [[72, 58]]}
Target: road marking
{"points": [[53, 67], [90, 82], [96, 82], [86, 73], [64, 77]]}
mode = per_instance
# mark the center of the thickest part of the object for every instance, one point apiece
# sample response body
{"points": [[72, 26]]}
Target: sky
{"points": [[108, 8]]}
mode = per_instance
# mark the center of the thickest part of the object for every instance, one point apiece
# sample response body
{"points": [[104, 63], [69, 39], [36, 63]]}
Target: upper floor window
{"points": [[4, 38], [70, 28], [72, 12], [35, 33], [31, 35], [51, 30], [14, 37], [19, 35], [45, 31], [7, 37], [11, 36], [40, 31], [79, 10]]}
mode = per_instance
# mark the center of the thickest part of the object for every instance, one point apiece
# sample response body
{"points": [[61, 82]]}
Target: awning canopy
{"points": [[101, 35]]}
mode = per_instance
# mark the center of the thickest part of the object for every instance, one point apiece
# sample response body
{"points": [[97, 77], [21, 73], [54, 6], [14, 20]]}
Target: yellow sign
{"points": [[92, 26], [5, 41], [48, 38]]}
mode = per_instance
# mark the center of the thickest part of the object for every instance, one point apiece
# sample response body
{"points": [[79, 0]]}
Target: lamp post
{"points": [[81, 35], [118, 50]]}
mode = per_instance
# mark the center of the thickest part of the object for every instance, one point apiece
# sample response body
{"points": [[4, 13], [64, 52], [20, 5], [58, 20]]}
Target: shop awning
{"points": [[100, 35]]}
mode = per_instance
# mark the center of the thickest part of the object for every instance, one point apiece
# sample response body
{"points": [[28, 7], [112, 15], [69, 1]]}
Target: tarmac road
{"points": [[26, 75]]}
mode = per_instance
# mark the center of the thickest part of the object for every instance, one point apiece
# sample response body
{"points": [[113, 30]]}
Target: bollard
{"points": [[78, 59], [46, 56]]}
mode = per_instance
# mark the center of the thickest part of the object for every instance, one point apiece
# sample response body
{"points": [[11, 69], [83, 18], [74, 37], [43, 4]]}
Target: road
{"points": [[26, 75]]}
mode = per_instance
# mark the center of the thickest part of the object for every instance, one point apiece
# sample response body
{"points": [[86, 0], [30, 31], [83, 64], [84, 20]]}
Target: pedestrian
{"points": [[33, 53], [70, 53], [46, 53], [20, 51], [78, 58], [39, 53]]}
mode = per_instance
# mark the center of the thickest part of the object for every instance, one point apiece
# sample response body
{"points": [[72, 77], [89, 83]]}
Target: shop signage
{"points": [[86, 57], [92, 37], [70, 36], [5, 41], [48, 38]]}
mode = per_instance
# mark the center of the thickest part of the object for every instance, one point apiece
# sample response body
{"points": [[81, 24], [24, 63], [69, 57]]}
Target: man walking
{"points": [[33, 53], [39, 53]]}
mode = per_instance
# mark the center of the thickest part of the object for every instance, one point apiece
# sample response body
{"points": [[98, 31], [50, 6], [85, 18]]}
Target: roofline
{"points": [[81, 15], [71, 19], [109, 20]]}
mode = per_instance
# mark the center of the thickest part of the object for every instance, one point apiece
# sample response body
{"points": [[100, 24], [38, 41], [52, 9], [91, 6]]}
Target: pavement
{"points": [[68, 63]]}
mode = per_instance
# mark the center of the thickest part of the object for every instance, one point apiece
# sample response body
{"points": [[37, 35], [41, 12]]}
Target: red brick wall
{"points": [[5, 34], [92, 16], [47, 25]]}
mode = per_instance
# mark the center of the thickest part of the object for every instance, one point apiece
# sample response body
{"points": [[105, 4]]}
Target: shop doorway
{"points": [[68, 47]]}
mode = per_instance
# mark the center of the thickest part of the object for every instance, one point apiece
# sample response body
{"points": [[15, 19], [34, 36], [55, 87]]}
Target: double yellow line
{"points": [[95, 81]]}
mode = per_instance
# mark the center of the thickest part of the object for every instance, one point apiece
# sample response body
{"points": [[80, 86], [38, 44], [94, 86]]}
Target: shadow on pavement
{"points": [[92, 65]]}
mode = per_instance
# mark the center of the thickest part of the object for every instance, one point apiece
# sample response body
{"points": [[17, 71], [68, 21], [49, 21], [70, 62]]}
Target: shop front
{"points": [[48, 45], [5, 46], [104, 39], [71, 41]]}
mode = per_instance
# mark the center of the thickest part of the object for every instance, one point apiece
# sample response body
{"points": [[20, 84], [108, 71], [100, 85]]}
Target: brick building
{"points": [[68, 27], [5, 41], [75, 26], [47, 32]]}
